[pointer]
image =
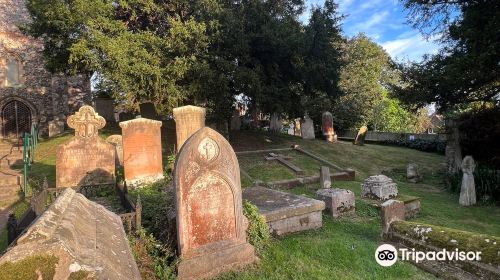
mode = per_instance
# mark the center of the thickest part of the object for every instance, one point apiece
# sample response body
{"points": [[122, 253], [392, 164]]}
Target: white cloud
{"points": [[410, 47], [375, 19]]}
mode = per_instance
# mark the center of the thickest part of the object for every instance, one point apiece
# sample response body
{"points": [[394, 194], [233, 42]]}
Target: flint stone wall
{"points": [[83, 235]]}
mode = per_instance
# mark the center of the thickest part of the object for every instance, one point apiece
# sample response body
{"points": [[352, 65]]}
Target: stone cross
{"points": [[468, 188], [284, 160], [86, 122]]}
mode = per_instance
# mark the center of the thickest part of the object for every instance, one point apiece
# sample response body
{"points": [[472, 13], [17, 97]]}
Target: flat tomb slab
{"points": [[284, 212]]}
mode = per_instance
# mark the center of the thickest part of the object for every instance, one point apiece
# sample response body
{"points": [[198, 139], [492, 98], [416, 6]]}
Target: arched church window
{"points": [[13, 72]]}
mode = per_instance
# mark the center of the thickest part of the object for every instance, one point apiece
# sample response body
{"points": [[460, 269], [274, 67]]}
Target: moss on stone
{"points": [[29, 268], [80, 275], [452, 239]]}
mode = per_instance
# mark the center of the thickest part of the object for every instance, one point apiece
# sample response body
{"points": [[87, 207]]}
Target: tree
{"points": [[466, 69]]}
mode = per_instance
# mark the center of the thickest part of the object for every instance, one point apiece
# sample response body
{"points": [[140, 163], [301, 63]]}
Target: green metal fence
{"points": [[29, 145]]}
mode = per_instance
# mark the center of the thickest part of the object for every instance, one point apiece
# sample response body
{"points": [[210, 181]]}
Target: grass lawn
{"points": [[342, 249]]}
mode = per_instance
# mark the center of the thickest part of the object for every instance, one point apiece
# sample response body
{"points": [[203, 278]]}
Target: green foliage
{"points": [[258, 231], [30, 267], [433, 146], [487, 182]]}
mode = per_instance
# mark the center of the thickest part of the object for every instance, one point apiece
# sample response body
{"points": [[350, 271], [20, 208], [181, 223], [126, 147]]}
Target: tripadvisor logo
{"points": [[387, 255]]}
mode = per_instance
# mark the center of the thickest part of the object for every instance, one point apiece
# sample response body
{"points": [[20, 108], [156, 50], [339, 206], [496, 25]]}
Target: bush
{"points": [[418, 144], [258, 231], [487, 182]]}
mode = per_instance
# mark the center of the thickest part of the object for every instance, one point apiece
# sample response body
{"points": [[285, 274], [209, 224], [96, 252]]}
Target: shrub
{"points": [[419, 144], [487, 182], [258, 231]]}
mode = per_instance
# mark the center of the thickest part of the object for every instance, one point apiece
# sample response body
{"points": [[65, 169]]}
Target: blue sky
{"points": [[385, 22]]}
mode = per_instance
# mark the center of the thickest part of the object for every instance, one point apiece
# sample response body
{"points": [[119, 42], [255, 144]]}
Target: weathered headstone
{"points": [[85, 159], [275, 124], [391, 211], [360, 137], [142, 154], [297, 130], [379, 187], [126, 116], [327, 127], [82, 235], [236, 120], [412, 173], [56, 127], [105, 107], [468, 188], [117, 142], [307, 128], [211, 228], [148, 111], [188, 120], [291, 129], [324, 177], [339, 202]]}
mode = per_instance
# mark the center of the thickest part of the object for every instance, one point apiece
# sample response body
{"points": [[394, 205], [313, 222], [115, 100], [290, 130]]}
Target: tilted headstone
{"points": [[379, 187], [327, 127], [211, 228], [105, 107], [324, 177], [275, 124], [338, 202], [188, 120], [117, 141], [148, 111], [468, 188], [360, 137], [142, 154], [236, 120], [412, 173], [297, 129], [307, 128], [391, 211], [85, 159]]}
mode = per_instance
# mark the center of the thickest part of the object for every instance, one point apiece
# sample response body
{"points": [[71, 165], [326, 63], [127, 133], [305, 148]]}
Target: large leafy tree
{"points": [[467, 68]]}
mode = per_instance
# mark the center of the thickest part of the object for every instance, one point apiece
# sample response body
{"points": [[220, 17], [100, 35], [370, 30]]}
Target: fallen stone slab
{"points": [[284, 212], [82, 235]]}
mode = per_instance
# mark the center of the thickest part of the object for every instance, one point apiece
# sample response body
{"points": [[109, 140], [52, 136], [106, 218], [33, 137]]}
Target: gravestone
{"points": [[275, 124], [188, 120], [211, 228], [148, 111], [291, 129], [142, 154], [327, 127], [56, 127], [468, 188], [379, 187], [105, 107], [391, 211], [236, 120], [126, 116], [360, 137], [85, 159], [297, 130], [412, 173], [338, 202], [307, 128], [117, 141], [324, 177]]}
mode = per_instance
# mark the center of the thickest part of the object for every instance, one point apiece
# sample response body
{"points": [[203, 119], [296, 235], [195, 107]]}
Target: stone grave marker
{"points": [[126, 116], [117, 141], [275, 124], [391, 211], [307, 128], [468, 188], [85, 159], [188, 120], [142, 154], [324, 177], [291, 129], [327, 127], [412, 173], [296, 127], [236, 120], [360, 137], [211, 228], [379, 187], [105, 107], [148, 111], [338, 202]]}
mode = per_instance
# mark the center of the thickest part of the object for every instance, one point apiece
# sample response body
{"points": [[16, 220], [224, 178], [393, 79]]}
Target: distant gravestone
{"points": [[360, 137], [412, 173], [324, 177], [126, 116], [307, 128], [105, 107], [391, 211], [117, 142], [275, 124], [211, 228], [379, 187], [85, 159], [297, 130], [327, 127], [468, 188], [148, 111], [291, 129], [236, 120], [188, 120], [142, 154]]}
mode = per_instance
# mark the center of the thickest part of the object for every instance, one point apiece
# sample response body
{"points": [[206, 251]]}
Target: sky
{"points": [[385, 22]]}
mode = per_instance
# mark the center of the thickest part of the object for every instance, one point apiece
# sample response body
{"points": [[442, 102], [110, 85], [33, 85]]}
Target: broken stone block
{"points": [[379, 187], [339, 202], [324, 177], [412, 173], [391, 211]]}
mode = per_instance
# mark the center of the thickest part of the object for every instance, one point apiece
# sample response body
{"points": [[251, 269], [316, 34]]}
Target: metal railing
{"points": [[30, 142]]}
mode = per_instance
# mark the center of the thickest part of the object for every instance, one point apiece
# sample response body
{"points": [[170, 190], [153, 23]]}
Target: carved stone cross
{"points": [[86, 122], [284, 160]]}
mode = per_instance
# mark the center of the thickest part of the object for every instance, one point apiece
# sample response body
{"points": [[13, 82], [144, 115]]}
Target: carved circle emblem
{"points": [[208, 149]]}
